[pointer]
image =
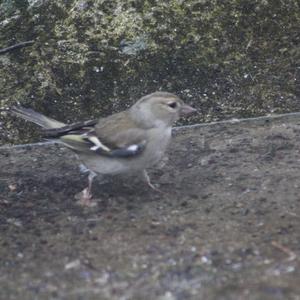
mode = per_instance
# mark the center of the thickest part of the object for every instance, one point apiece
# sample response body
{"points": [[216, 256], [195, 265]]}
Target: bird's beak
{"points": [[187, 110]]}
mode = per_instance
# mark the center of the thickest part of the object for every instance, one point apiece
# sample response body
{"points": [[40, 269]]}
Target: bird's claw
{"points": [[85, 198]]}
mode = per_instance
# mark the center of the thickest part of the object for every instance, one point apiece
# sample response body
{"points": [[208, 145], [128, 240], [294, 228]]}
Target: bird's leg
{"points": [[149, 183], [85, 196]]}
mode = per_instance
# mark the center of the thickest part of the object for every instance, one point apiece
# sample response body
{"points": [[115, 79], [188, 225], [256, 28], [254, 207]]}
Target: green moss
{"points": [[230, 59]]}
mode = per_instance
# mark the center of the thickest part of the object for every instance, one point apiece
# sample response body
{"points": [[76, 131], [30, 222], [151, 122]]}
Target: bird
{"points": [[129, 141]]}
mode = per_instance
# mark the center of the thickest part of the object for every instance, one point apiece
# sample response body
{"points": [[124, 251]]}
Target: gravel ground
{"points": [[226, 226]]}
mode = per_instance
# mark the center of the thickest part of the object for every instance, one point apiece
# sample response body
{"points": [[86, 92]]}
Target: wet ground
{"points": [[226, 227]]}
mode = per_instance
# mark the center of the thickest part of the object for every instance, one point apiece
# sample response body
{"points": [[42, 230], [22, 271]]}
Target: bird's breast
{"points": [[158, 140]]}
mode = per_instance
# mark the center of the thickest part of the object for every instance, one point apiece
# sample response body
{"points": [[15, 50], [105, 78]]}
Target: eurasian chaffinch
{"points": [[125, 142]]}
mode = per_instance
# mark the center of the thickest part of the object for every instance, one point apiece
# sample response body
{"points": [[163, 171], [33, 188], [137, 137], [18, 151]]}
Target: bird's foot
{"points": [[84, 198], [153, 187], [150, 184]]}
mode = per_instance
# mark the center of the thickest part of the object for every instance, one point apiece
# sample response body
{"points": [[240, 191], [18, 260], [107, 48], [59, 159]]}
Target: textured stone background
{"points": [[226, 227], [90, 58]]}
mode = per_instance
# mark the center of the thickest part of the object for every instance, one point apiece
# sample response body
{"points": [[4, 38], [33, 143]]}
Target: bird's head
{"points": [[160, 109]]}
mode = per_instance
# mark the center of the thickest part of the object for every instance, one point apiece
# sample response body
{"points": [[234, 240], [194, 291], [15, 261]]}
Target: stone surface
{"points": [[226, 227], [237, 58]]}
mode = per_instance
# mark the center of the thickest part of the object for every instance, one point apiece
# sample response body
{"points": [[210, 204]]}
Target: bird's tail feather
{"points": [[35, 117]]}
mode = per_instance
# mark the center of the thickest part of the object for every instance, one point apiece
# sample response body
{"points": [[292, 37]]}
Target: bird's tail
{"points": [[35, 117]]}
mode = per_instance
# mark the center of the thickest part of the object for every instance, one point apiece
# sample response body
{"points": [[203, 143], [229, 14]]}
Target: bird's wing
{"points": [[77, 128], [115, 136]]}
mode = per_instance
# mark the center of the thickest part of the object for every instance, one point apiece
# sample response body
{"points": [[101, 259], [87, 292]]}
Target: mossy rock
{"points": [[92, 58]]}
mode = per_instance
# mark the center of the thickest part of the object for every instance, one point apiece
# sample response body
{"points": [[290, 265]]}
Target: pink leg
{"points": [[85, 196], [148, 181]]}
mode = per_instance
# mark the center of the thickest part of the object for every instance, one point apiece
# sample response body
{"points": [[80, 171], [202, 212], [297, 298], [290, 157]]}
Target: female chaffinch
{"points": [[125, 142]]}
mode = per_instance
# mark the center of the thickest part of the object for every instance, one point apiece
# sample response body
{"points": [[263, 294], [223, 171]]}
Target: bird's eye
{"points": [[172, 104]]}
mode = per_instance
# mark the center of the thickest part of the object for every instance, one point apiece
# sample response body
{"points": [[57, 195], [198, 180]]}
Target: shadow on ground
{"points": [[227, 226]]}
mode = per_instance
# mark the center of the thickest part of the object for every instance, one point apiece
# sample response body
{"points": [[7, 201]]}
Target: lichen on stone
{"points": [[91, 58]]}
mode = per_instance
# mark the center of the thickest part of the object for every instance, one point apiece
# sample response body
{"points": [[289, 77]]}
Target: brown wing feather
{"points": [[79, 128], [119, 130], [114, 136]]}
